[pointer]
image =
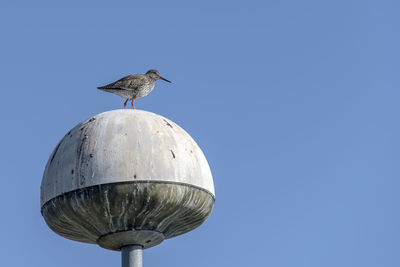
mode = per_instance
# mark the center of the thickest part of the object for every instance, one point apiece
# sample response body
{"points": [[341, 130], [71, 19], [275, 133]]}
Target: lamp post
{"points": [[126, 180]]}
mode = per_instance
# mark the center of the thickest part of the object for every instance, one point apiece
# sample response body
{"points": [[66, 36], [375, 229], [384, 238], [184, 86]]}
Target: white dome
{"points": [[124, 146]]}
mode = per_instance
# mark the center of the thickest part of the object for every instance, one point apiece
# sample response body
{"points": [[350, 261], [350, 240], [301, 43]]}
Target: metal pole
{"points": [[132, 256]]}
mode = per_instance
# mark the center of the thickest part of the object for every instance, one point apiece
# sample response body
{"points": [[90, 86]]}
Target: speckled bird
{"points": [[134, 86]]}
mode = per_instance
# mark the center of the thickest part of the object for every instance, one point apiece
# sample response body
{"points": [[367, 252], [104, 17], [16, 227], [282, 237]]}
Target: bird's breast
{"points": [[144, 90]]}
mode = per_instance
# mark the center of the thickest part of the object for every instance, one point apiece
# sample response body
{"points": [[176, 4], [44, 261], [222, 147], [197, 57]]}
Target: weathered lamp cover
{"points": [[126, 177]]}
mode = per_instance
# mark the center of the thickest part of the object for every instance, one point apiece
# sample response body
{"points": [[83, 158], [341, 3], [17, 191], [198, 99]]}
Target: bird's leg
{"points": [[125, 103], [133, 105]]}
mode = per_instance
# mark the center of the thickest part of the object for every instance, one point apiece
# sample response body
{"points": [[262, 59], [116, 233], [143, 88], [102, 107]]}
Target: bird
{"points": [[134, 86]]}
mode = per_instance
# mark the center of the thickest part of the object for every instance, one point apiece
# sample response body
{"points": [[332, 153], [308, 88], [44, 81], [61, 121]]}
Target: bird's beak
{"points": [[164, 79]]}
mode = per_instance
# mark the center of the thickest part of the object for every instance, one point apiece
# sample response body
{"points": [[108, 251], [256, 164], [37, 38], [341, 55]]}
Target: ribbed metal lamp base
{"points": [[130, 213]]}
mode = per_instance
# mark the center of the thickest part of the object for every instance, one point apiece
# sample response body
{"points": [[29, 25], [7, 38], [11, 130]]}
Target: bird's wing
{"points": [[129, 82]]}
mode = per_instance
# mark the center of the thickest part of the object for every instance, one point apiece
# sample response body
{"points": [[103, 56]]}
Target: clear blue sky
{"points": [[294, 103]]}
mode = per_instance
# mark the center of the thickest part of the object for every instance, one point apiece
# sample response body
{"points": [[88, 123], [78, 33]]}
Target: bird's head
{"points": [[155, 75]]}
